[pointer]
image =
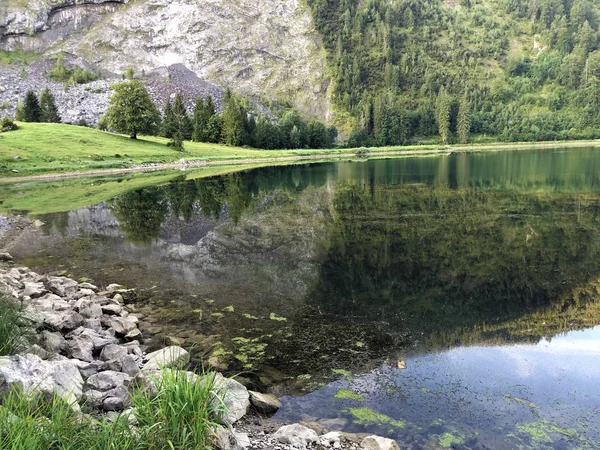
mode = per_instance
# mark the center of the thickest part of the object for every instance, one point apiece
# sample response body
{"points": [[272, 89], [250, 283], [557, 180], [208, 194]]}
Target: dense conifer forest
{"points": [[518, 69]]}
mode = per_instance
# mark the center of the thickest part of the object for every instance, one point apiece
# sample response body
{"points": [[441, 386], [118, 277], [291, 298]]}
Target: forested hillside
{"points": [[518, 69]]}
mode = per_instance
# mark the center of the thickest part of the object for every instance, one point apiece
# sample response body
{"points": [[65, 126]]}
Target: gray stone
{"points": [[81, 348], [33, 290], [114, 287], [167, 357], [296, 435], [4, 256], [113, 404], [88, 286], [38, 351], [336, 424], [113, 351], [107, 380], [235, 398], [112, 309], [121, 325], [89, 309], [93, 399], [264, 403], [378, 443], [33, 374], [135, 335], [54, 342], [130, 366], [91, 369]]}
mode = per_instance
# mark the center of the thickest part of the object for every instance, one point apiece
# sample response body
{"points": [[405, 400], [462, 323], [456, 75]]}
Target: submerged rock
{"points": [[378, 443], [264, 403]]}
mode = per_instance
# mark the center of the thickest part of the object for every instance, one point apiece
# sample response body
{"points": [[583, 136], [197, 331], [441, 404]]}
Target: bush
{"points": [[66, 75], [7, 124]]}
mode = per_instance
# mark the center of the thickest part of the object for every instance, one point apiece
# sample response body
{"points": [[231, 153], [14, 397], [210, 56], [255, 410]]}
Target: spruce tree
{"points": [[182, 122], [31, 108], [48, 110], [200, 121], [233, 120], [168, 121], [443, 115], [464, 120]]}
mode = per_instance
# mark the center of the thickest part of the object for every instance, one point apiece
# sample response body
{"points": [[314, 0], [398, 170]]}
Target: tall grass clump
{"points": [[184, 414], [11, 331]]}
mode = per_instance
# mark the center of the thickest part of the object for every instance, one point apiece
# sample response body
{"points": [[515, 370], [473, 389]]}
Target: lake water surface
{"points": [[446, 302]]}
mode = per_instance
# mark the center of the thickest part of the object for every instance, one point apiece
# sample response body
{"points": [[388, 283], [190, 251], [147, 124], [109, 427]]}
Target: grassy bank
{"points": [[183, 413], [58, 148]]}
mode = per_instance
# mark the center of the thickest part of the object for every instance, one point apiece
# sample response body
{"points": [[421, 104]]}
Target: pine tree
{"points": [[464, 120], [48, 110], [31, 108], [443, 115]]}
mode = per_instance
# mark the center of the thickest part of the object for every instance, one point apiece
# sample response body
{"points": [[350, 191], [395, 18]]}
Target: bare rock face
{"points": [[257, 47]]}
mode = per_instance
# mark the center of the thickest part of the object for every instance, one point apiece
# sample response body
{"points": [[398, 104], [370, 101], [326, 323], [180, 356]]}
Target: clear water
{"points": [[448, 301]]}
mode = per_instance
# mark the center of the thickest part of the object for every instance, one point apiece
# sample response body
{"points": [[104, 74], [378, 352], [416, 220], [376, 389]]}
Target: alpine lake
{"points": [[445, 302]]}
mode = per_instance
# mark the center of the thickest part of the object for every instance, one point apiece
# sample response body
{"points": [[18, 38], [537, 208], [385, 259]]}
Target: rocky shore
{"points": [[85, 346]]}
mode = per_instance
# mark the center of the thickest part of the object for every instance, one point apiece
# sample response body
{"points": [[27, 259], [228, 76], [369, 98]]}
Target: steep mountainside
{"points": [[260, 47]]}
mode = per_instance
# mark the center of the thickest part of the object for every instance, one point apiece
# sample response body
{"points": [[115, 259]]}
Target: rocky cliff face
{"points": [[259, 47]]}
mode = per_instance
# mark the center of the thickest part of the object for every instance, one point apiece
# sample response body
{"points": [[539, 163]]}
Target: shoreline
{"points": [[321, 157]]}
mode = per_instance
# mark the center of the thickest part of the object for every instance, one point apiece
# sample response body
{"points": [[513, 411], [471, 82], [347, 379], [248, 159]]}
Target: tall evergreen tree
{"points": [[464, 120], [233, 120], [20, 112], [168, 121], [200, 121], [182, 122], [48, 110], [204, 111], [443, 114], [31, 108]]}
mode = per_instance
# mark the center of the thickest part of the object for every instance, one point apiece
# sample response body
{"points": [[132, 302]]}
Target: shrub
{"points": [[7, 124]]}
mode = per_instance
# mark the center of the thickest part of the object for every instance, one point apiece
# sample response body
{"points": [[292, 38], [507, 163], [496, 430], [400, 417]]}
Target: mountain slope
{"points": [[260, 47]]}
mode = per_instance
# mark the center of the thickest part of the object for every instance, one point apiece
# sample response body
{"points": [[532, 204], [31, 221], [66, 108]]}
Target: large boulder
{"points": [[31, 374], [167, 357], [264, 403], [235, 397], [378, 443], [296, 435]]}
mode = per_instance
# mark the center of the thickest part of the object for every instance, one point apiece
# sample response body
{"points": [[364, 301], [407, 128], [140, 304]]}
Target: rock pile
{"points": [[89, 351]]}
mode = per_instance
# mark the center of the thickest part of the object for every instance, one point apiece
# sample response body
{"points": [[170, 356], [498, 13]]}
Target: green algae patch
{"points": [[343, 373], [366, 416], [249, 316], [274, 316], [228, 308], [347, 394], [447, 440], [539, 431]]}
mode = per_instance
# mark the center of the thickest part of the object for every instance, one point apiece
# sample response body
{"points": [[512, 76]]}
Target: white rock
{"points": [[296, 435], [167, 357], [33, 374], [378, 443]]}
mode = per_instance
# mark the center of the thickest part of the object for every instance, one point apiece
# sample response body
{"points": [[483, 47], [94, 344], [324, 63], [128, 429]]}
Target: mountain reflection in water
{"points": [[466, 269]]}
